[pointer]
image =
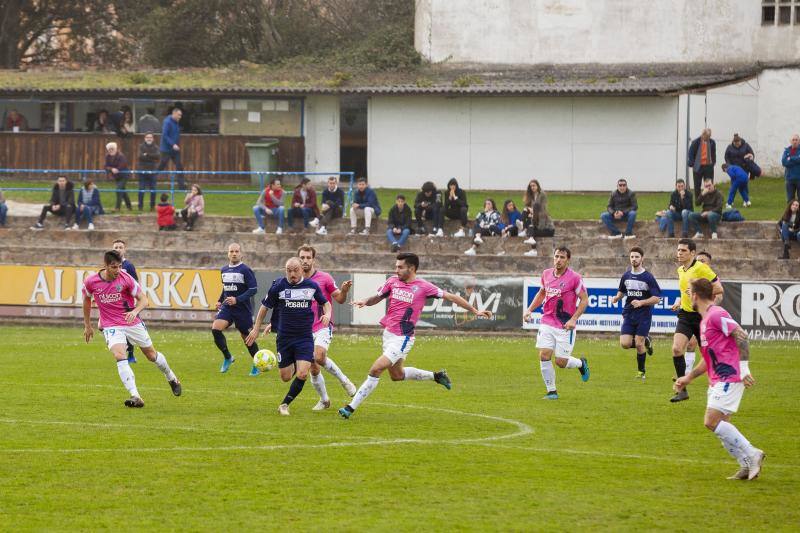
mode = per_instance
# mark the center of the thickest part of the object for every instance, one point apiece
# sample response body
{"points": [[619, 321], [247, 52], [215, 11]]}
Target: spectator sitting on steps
{"points": [[622, 205], [166, 214], [455, 207], [304, 204], [62, 204], [711, 200], [89, 205], [365, 205], [3, 209], [681, 205], [536, 218], [195, 205], [399, 226], [270, 203], [427, 208], [487, 223], [790, 226], [332, 205]]}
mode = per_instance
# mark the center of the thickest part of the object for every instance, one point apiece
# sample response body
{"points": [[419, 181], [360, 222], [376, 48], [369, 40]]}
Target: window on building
{"points": [[780, 12], [785, 12], [768, 12]]}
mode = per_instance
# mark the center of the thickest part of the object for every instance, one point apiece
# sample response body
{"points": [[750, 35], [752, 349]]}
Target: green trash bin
{"points": [[263, 157]]}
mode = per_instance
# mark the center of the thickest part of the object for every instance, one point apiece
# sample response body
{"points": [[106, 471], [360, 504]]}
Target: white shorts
{"points": [[122, 334], [725, 397], [396, 347], [323, 337], [561, 341]]}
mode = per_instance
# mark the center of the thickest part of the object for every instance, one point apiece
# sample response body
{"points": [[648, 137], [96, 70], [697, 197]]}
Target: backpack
{"points": [[732, 215]]}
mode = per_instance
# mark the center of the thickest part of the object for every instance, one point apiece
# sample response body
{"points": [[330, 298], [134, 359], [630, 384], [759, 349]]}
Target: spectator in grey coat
{"points": [[622, 205], [149, 157]]}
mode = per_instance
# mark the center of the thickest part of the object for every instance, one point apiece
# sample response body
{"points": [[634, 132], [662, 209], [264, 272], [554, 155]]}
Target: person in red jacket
{"points": [[166, 214], [304, 204]]}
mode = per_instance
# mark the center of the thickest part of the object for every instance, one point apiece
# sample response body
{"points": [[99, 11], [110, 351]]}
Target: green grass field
{"points": [[612, 454], [767, 194]]}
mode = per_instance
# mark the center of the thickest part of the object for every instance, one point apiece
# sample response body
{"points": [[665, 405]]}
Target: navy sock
{"points": [[680, 365], [640, 359], [221, 342], [253, 348], [294, 390]]}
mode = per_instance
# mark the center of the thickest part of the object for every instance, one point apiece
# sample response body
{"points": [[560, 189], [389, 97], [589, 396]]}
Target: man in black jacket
{"points": [[149, 156], [455, 206], [740, 153], [62, 204], [681, 205], [622, 205], [332, 205], [427, 205], [399, 223], [701, 159]]}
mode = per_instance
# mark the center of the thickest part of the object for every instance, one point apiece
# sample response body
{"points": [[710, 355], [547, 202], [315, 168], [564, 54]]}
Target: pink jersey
{"points": [[406, 301], [718, 346], [561, 296], [114, 298], [328, 286]]}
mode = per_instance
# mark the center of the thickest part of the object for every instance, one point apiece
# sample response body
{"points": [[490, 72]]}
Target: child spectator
{"points": [[790, 226], [166, 214], [194, 207], [487, 223]]}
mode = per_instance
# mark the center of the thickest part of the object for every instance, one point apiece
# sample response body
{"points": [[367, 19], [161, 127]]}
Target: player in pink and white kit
{"points": [[565, 299], [115, 293], [726, 358], [323, 334], [407, 294]]}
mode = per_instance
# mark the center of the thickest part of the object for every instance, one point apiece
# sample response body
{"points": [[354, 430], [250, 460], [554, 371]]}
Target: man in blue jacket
{"points": [[170, 144], [791, 160], [365, 205], [701, 159]]}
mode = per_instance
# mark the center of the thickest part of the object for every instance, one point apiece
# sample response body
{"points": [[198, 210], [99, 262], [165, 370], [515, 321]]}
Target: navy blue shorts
{"points": [[295, 349], [243, 320], [636, 324]]}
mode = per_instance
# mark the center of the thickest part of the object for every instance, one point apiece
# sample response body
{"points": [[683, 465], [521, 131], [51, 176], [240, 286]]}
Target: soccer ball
{"points": [[265, 360]]}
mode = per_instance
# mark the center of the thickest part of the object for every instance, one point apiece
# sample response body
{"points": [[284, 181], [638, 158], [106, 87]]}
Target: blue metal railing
{"points": [[262, 179]]}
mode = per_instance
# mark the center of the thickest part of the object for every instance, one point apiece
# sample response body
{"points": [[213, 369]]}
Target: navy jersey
{"points": [[128, 267], [239, 281], [293, 305], [639, 286]]}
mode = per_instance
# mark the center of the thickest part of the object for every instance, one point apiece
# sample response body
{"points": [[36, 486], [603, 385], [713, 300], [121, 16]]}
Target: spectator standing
{"points": [[711, 202], [455, 207], [194, 207], [16, 122], [740, 181], [365, 205], [427, 207], [740, 153], [148, 160], [148, 123], [62, 203], [3, 209], [170, 144], [681, 205], [487, 224], [791, 161], [790, 226], [89, 204], [270, 203], [165, 213], [116, 166], [622, 205], [701, 159], [304, 204], [399, 223], [332, 205], [102, 124]]}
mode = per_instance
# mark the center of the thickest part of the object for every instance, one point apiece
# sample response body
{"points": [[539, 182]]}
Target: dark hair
{"points": [[690, 243], [164, 197], [361, 178], [680, 181], [703, 288], [112, 256], [504, 214], [494, 205], [273, 180], [199, 190], [307, 248], [428, 186], [118, 240], [565, 250], [88, 182], [622, 180], [528, 198], [638, 250], [400, 197], [788, 213], [705, 254], [410, 259], [725, 167], [303, 181], [707, 178]]}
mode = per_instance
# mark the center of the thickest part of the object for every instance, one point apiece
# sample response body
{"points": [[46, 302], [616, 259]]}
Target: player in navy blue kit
{"points": [[238, 287], [119, 246], [641, 292], [291, 298]]}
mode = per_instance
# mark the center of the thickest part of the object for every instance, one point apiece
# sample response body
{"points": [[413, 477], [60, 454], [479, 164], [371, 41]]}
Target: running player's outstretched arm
{"points": [[537, 301], [372, 300], [340, 294], [744, 356], [260, 316], [88, 332], [462, 303]]}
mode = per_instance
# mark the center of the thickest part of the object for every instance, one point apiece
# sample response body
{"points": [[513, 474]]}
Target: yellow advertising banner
{"points": [[61, 286]]}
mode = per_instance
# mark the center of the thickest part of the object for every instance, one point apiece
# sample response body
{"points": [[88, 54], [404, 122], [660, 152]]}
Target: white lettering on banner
{"points": [[40, 288], [197, 291], [150, 282], [169, 291], [440, 305], [58, 276], [790, 305], [80, 276], [766, 304]]}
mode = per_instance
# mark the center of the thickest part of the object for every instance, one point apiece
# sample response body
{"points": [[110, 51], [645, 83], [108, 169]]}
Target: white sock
{"points": [[161, 363], [416, 374], [319, 385], [126, 375], [334, 370], [574, 362], [690, 357], [548, 375], [364, 390], [734, 440]]}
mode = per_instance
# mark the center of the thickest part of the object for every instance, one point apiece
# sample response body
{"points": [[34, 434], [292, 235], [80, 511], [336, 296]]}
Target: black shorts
{"points": [[295, 349], [689, 324]]}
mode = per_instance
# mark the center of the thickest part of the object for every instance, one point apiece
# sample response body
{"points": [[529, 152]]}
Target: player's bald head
{"points": [[294, 270], [293, 263], [235, 246]]}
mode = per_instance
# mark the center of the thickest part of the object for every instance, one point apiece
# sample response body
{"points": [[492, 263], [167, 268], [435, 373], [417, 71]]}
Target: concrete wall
{"points": [[322, 134], [778, 116], [582, 143], [600, 31]]}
